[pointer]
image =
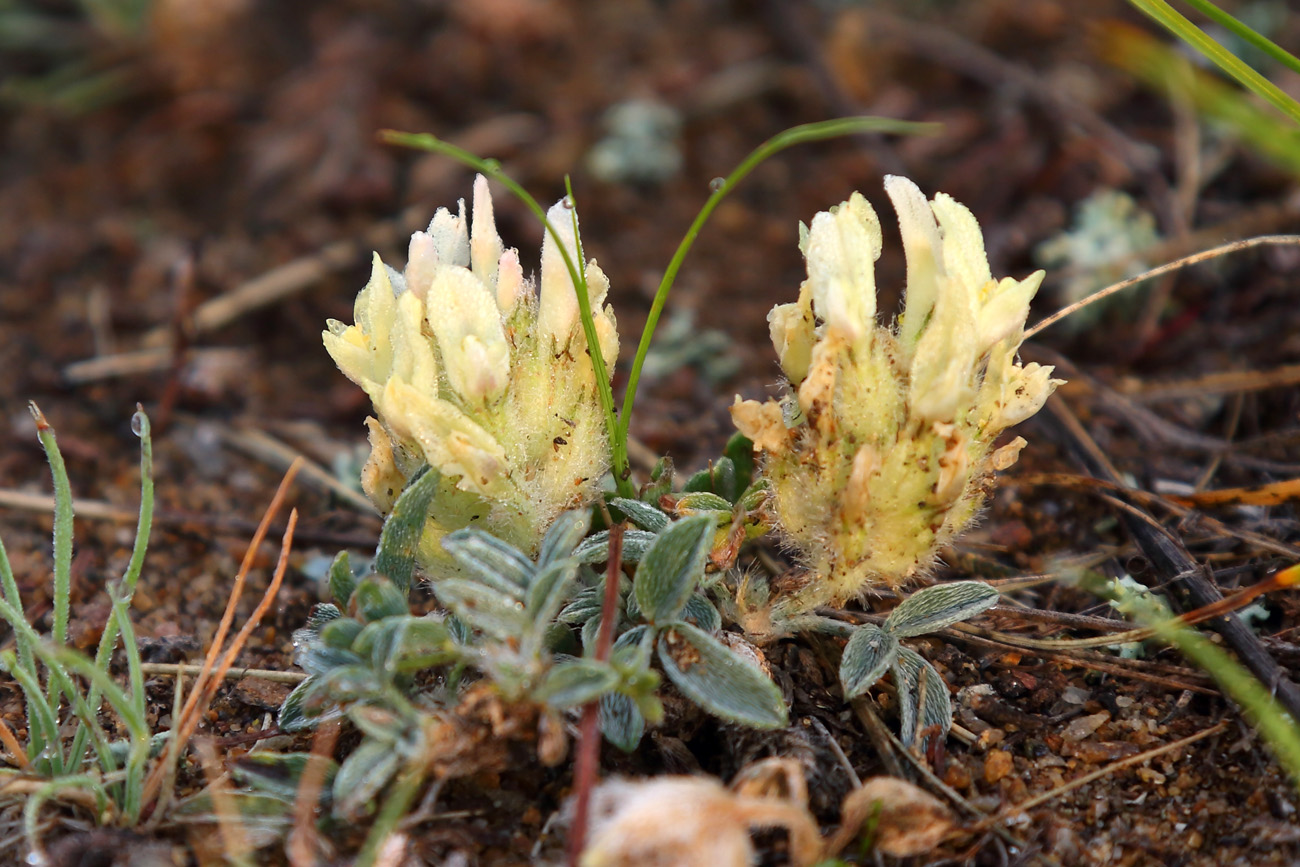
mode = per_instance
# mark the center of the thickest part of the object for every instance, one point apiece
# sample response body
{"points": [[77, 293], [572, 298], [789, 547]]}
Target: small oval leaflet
{"points": [[718, 680], [868, 655], [933, 608]]}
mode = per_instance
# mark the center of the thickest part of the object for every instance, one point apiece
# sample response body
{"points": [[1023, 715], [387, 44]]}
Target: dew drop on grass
{"points": [[137, 424], [37, 859], [717, 184]]}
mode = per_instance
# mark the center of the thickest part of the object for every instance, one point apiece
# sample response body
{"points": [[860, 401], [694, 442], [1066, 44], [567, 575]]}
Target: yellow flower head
{"points": [[477, 375], [881, 454]]}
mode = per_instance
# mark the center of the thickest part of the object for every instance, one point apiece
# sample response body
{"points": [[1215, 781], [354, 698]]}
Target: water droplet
{"points": [[37, 859], [567, 201], [717, 184], [139, 424]]}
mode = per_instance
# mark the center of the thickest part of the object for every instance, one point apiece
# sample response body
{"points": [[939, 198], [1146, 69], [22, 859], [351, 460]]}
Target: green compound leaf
{"points": [[495, 563], [922, 695], [868, 655], [576, 682], [644, 515], [400, 538], [718, 680], [671, 568], [934, 608]]}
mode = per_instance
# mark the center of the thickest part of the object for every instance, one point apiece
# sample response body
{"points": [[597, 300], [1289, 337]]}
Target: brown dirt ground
{"points": [[242, 139]]}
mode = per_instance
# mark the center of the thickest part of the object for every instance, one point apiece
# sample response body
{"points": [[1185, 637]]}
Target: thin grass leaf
{"points": [[795, 135], [718, 680], [395, 557], [1243, 32], [62, 524], [933, 608], [1175, 23], [868, 655]]}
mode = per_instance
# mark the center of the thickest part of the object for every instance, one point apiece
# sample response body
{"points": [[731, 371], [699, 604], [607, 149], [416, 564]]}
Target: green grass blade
{"points": [[120, 621], [62, 524], [1280, 732], [1251, 37], [1175, 23], [810, 132], [9, 587], [42, 720]]}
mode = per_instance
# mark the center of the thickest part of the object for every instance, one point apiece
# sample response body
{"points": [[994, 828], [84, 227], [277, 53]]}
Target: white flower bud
{"points": [[558, 311], [464, 318], [485, 247], [843, 246]]}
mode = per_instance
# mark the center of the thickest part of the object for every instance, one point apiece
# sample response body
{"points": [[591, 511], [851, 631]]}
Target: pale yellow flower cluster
{"points": [[882, 453], [474, 373]]}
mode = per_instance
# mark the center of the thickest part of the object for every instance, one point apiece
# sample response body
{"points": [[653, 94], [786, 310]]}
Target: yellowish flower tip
{"points": [[883, 451], [473, 373]]}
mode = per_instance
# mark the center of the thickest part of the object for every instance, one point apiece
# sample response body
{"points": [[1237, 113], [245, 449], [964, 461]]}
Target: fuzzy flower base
{"points": [[882, 452]]}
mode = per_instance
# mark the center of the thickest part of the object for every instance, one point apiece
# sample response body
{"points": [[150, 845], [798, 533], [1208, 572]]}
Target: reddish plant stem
{"points": [[587, 762]]}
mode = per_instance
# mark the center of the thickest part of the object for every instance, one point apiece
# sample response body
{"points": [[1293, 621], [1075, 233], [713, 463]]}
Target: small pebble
{"points": [[1084, 726]]}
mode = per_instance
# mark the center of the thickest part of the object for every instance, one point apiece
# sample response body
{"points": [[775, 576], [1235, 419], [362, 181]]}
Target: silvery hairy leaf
{"points": [[483, 607], [701, 612], [868, 655], [671, 568], [550, 589], [565, 533], [718, 680], [644, 515], [493, 562], [362, 777], [575, 682], [400, 538], [595, 548], [621, 722], [377, 597], [933, 608], [922, 696]]}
